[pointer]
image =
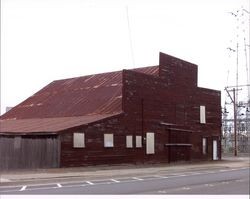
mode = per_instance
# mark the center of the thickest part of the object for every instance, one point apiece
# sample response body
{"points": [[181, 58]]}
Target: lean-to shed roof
{"points": [[48, 125]]}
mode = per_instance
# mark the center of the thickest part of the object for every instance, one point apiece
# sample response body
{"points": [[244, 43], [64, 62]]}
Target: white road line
{"points": [[23, 188], [137, 178], [179, 174], [158, 176], [91, 183], [194, 173], [59, 185], [209, 172], [115, 180], [223, 170], [183, 175]]}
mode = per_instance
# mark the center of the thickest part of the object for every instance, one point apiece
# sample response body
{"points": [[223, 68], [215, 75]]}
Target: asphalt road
{"points": [[228, 181]]}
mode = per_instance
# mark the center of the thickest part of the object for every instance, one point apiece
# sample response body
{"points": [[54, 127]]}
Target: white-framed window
{"points": [[202, 114], [204, 146], [78, 140], [108, 140], [150, 143], [138, 141], [129, 141]]}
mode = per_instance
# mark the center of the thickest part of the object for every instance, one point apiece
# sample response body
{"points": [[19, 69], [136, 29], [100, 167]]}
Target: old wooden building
{"points": [[143, 115]]}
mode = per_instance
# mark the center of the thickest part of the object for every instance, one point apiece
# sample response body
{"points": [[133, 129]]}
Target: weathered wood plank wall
{"points": [[23, 152]]}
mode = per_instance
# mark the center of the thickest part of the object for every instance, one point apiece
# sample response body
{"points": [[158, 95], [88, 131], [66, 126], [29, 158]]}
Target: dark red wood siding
{"points": [[168, 105]]}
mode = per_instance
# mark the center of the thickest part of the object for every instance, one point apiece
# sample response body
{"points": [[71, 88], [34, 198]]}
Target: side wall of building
{"points": [[167, 106], [149, 105], [95, 152], [150, 101]]}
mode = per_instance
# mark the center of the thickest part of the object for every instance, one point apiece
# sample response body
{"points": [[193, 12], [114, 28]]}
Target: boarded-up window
{"points": [[78, 140], [138, 141], [204, 146], [202, 114], [150, 143], [108, 140], [129, 141]]}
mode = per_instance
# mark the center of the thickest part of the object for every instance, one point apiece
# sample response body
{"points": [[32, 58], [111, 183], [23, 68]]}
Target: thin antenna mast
{"points": [[237, 71], [130, 38]]}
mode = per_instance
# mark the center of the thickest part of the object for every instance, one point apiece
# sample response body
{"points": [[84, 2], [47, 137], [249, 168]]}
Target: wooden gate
{"points": [[29, 151]]}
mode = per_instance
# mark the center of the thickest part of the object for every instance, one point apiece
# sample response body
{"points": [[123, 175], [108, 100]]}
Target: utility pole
{"points": [[235, 105], [235, 124], [235, 117]]}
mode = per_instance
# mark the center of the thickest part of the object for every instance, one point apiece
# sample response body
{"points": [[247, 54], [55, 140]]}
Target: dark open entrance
{"points": [[178, 145]]}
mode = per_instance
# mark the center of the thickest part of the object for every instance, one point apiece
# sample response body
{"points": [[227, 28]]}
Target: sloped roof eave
{"points": [[43, 126]]}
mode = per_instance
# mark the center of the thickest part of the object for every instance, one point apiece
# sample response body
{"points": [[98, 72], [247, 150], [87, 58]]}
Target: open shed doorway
{"points": [[178, 145]]}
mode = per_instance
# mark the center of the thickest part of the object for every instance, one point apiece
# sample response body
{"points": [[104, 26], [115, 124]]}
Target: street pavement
{"points": [[229, 181], [229, 176]]}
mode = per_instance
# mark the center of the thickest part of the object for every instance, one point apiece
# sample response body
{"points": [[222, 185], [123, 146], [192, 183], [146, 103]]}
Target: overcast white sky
{"points": [[45, 40]]}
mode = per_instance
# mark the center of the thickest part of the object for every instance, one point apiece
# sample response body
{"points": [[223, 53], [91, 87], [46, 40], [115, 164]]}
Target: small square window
{"points": [[108, 140], [138, 140], [129, 141], [78, 140]]}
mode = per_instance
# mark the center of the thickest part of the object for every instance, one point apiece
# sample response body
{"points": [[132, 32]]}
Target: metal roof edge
{"points": [[49, 132]]}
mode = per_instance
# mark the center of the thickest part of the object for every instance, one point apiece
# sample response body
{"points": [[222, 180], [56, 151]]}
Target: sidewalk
{"points": [[107, 171]]}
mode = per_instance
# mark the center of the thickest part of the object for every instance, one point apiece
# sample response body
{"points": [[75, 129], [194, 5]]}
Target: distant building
{"points": [[243, 131], [8, 108], [151, 114]]}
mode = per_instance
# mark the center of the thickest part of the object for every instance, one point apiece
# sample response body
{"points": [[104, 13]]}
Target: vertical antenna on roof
{"points": [[130, 38]]}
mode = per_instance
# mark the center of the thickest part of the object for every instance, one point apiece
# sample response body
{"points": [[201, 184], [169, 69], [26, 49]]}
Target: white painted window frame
{"points": [[129, 141], [150, 143], [203, 114], [138, 141], [108, 140], [79, 140]]}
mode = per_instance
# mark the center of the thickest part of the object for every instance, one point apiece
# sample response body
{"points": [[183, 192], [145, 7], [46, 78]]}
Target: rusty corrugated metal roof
{"points": [[48, 125], [92, 96], [151, 70], [72, 97]]}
